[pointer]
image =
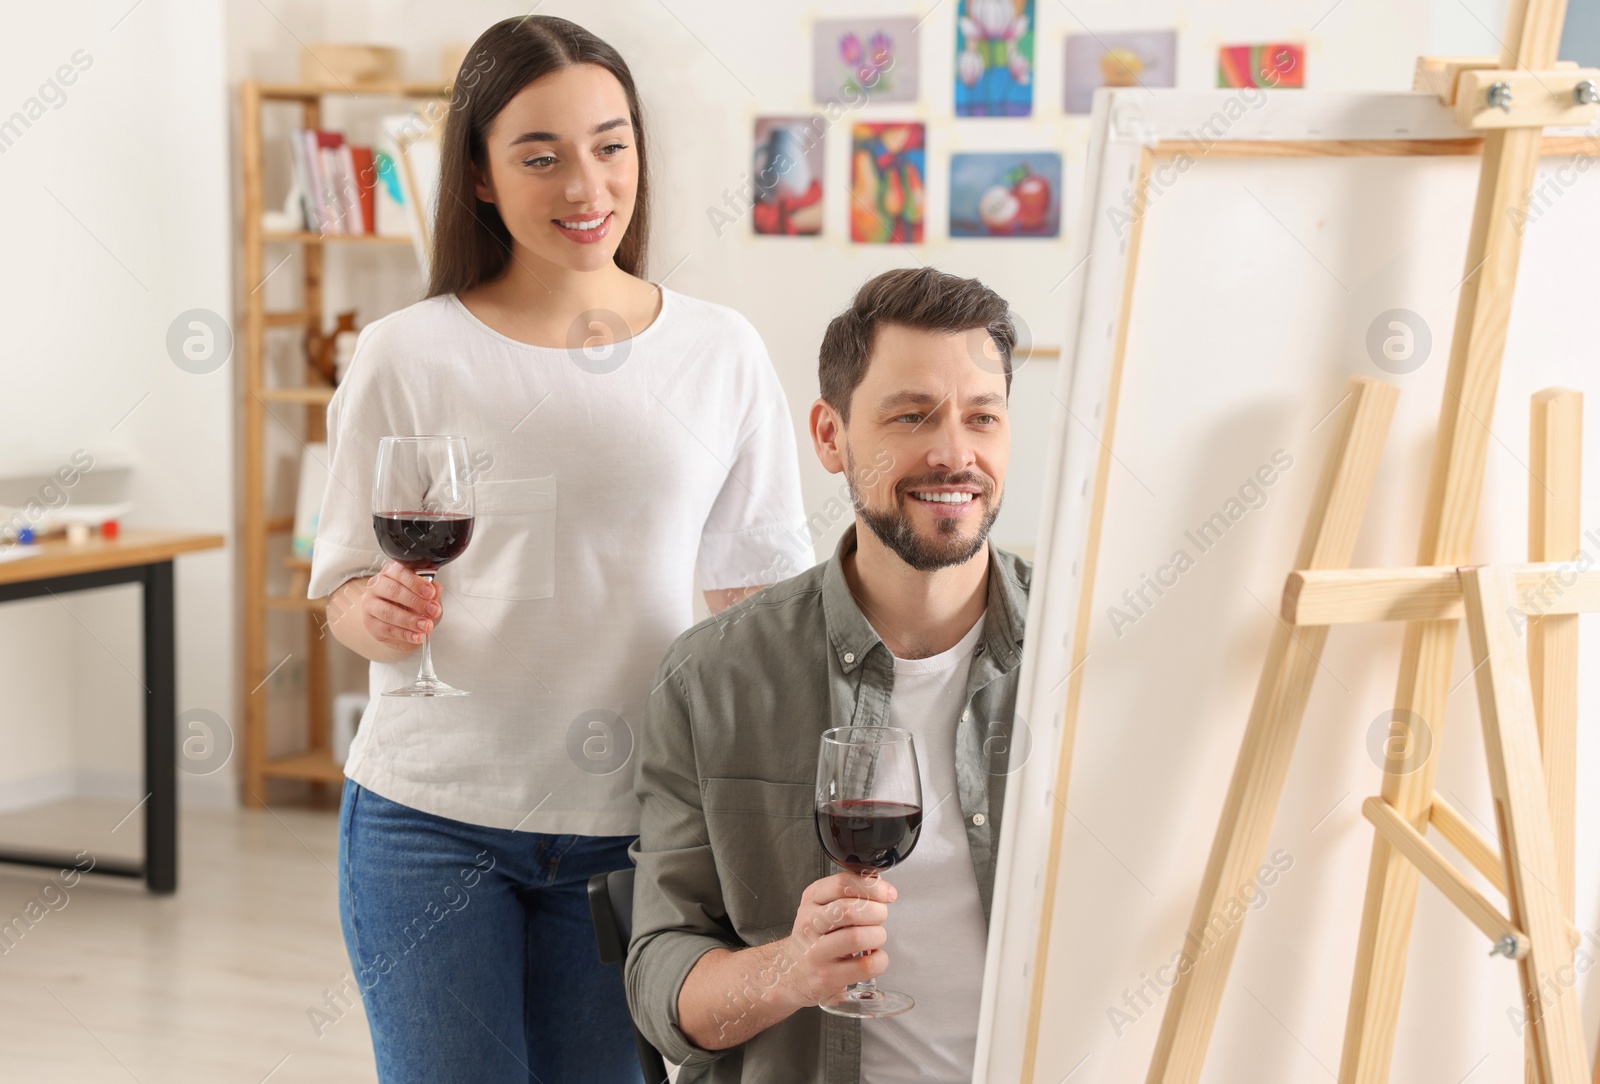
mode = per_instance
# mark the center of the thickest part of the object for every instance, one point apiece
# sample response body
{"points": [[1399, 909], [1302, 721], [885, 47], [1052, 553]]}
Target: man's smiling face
{"points": [[939, 418]]}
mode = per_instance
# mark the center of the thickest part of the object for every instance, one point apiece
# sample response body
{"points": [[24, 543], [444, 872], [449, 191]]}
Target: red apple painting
{"points": [[1005, 195]]}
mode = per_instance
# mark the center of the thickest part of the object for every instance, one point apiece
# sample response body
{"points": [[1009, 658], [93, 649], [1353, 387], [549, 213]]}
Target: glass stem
{"points": [[425, 675], [867, 989]]}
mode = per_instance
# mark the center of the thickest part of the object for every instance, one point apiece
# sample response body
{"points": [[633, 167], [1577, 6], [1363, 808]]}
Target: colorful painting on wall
{"points": [[787, 175], [1142, 58], [1005, 195], [994, 58], [887, 164], [1278, 64], [852, 59]]}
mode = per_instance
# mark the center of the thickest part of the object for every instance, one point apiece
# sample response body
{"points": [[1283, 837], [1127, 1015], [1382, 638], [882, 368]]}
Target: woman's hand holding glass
{"points": [[399, 608]]}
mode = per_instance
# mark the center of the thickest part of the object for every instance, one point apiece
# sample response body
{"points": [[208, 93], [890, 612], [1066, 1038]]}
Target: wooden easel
{"points": [[1523, 704]]}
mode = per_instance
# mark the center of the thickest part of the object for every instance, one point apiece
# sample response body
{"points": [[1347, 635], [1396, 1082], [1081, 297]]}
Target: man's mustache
{"points": [[966, 478]]}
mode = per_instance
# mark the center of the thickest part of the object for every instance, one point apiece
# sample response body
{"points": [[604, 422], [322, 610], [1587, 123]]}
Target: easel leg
{"points": [[1425, 666], [1268, 746], [1556, 436], [1510, 159], [1555, 453], [1528, 843]]}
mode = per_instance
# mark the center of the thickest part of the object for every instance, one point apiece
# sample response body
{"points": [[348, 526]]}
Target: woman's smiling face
{"points": [[564, 168]]}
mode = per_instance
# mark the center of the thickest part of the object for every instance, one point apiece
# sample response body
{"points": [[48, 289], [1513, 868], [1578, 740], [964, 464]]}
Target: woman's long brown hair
{"points": [[471, 244]]}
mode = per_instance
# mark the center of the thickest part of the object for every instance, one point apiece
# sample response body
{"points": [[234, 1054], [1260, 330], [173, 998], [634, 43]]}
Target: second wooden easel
{"points": [[1512, 97]]}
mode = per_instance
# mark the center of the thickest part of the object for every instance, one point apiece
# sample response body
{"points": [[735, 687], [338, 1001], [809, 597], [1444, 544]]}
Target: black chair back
{"points": [[611, 904]]}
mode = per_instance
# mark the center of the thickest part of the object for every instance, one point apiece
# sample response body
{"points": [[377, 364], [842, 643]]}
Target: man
{"points": [[741, 927]]}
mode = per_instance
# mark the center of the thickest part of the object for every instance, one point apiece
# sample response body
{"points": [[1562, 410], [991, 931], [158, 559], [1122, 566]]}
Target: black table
{"points": [[143, 557]]}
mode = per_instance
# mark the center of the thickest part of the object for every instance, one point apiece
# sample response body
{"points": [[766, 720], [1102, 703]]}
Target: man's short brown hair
{"points": [[920, 298]]}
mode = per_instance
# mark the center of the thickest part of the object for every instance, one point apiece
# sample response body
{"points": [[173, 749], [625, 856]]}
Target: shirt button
{"points": [[849, 656], [978, 819]]}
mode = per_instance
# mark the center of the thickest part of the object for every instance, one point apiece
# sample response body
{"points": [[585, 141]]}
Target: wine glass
{"points": [[869, 815], [422, 514]]}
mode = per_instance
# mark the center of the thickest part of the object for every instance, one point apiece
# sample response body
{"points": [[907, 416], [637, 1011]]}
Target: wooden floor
{"points": [[209, 986]]}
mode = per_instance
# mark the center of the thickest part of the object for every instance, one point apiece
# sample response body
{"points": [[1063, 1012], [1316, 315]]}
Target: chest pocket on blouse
{"points": [[512, 554], [764, 837]]}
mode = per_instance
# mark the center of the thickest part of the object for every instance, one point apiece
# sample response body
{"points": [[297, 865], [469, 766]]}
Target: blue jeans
{"points": [[474, 950]]}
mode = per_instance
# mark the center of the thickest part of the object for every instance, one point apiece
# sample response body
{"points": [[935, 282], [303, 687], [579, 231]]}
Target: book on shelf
{"points": [[366, 175], [304, 185], [328, 144], [392, 210], [308, 497], [347, 189], [338, 183], [408, 150]]}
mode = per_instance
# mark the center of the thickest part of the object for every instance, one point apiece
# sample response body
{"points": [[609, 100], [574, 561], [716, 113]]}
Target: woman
{"points": [[622, 435]]}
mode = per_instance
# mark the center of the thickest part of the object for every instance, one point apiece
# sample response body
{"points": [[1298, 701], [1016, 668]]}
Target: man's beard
{"points": [[894, 528]]}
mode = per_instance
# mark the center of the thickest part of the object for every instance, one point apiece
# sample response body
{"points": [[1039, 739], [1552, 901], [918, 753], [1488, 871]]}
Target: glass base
{"points": [[427, 688], [870, 1003]]}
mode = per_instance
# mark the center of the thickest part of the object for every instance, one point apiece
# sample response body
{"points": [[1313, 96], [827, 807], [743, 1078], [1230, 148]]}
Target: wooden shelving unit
{"points": [[316, 762]]}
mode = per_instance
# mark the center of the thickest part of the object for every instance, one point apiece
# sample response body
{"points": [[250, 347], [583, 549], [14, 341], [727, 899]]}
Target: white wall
{"points": [[707, 69], [142, 156], [115, 221]]}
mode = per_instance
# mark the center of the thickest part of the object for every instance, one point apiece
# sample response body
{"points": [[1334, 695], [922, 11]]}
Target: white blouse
{"points": [[601, 478]]}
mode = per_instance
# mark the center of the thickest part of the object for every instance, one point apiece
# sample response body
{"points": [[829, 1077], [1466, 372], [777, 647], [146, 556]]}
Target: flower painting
{"points": [[994, 58], [787, 174], [1005, 195], [859, 60], [1141, 58], [886, 178], [1277, 64]]}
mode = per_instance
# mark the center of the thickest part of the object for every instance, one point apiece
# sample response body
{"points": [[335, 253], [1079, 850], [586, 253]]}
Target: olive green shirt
{"points": [[726, 778]]}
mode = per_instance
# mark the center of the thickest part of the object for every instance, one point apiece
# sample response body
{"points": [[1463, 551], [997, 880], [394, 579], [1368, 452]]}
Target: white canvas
{"points": [[1258, 282]]}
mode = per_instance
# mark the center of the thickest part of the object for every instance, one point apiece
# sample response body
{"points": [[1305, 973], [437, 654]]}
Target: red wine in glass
{"points": [[422, 514], [867, 836], [422, 540], [868, 816]]}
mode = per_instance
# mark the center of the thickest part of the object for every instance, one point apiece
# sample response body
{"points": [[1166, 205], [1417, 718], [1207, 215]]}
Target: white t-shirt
{"points": [[937, 935], [601, 479]]}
